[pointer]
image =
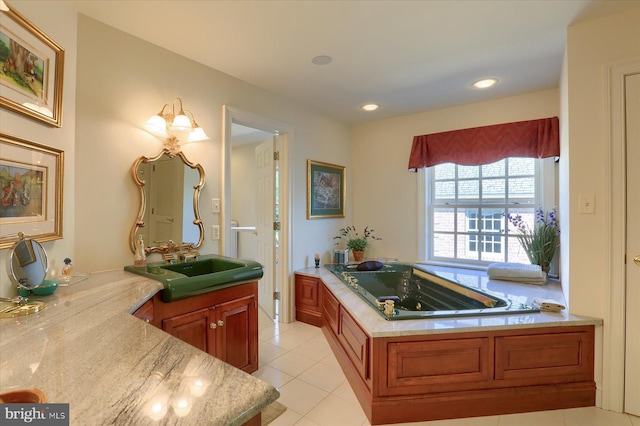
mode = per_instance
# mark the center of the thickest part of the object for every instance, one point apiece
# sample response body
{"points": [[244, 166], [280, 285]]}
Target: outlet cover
{"points": [[215, 232]]}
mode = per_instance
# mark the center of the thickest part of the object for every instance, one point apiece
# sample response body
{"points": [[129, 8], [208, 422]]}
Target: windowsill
{"points": [[454, 265]]}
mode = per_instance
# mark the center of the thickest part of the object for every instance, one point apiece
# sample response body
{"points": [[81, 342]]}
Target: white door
{"points": [[632, 347], [266, 215], [165, 200]]}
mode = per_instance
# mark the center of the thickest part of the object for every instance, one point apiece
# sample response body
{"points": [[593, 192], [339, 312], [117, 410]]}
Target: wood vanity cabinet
{"points": [[308, 300], [223, 323], [145, 312]]}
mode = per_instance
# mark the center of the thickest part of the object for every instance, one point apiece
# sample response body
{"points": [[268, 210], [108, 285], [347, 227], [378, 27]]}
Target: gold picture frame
{"points": [[326, 190], [31, 179], [31, 70]]}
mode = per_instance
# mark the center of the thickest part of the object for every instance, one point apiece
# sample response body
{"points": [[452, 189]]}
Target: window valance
{"points": [[487, 144]]}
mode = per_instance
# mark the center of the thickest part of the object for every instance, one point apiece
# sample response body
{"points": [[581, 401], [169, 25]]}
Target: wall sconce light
{"points": [[169, 125]]}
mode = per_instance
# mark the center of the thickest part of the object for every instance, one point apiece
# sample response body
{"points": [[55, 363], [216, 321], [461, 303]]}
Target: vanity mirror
{"points": [[169, 188], [27, 265]]}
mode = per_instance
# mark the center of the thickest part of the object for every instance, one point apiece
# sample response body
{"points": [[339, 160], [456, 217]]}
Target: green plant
{"points": [[540, 242], [353, 240]]}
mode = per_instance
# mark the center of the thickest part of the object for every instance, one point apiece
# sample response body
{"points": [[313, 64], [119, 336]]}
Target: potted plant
{"points": [[354, 241], [539, 243]]}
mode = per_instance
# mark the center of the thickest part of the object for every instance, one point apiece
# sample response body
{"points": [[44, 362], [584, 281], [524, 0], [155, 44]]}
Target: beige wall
{"points": [[591, 48], [123, 80], [385, 192], [59, 22]]}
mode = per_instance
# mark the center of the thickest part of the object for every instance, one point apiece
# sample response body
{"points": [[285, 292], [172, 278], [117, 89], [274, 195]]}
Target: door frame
{"points": [[613, 350], [232, 115]]}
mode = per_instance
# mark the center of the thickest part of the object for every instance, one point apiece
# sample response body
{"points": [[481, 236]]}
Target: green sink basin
{"points": [[192, 278]]}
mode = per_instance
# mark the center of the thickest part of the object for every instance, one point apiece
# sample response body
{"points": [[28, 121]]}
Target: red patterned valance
{"points": [[488, 144]]}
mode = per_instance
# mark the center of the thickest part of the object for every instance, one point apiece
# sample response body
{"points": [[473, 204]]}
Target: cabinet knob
{"points": [[220, 323], [213, 326]]}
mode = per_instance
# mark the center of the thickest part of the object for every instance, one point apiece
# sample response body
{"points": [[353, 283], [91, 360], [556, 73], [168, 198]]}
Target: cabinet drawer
{"points": [[355, 343], [554, 357], [330, 310], [437, 365]]}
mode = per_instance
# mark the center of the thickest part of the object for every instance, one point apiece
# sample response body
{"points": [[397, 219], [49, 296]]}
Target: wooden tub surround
{"points": [[428, 369]]}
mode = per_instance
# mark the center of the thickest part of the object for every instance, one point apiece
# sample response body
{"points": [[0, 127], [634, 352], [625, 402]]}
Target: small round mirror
{"points": [[27, 263]]}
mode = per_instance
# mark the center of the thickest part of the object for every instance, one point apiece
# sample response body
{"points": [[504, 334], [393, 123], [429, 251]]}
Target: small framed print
{"points": [[31, 177], [31, 69], [326, 188]]}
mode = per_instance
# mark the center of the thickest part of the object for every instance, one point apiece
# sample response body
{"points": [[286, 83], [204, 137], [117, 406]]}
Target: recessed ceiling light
{"points": [[370, 107], [483, 84], [322, 60]]}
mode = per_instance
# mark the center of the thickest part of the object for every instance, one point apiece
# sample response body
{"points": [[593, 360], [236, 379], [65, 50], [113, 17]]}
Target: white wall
{"points": [[122, 80], [385, 192], [58, 22]]}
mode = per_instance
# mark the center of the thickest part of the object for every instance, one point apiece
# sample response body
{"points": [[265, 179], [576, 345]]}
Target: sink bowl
{"points": [[203, 266], [23, 396], [192, 278]]}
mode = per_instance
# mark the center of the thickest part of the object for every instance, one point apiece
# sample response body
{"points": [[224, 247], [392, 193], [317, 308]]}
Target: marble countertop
{"points": [[376, 326], [86, 349]]}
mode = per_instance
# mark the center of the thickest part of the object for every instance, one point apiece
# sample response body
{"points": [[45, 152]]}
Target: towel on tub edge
{"points": [[518, 272]]}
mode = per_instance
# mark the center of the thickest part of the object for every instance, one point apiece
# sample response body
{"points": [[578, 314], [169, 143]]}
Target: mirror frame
{"points": [[139, 223]]}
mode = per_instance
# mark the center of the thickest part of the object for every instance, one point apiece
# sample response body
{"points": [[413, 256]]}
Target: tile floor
{"points": [[297, 360]]}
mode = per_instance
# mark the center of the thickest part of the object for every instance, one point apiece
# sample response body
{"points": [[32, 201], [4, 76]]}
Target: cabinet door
{"points": [[236, 333], [191, 327], [308, 302]]}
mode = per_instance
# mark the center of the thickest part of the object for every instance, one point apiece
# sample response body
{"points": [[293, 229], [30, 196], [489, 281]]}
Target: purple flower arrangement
{"points": [[539, 243]]}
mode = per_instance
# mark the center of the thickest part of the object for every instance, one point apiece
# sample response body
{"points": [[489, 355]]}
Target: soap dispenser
{"points": [[140, 258]]}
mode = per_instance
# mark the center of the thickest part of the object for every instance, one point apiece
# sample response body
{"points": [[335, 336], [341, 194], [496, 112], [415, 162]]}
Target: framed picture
{"points": [[326, 188], [30, 190], [31, 69]]}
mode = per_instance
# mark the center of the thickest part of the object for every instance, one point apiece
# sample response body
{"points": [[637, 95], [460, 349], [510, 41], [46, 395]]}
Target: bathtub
{"points": [[408, 291]]}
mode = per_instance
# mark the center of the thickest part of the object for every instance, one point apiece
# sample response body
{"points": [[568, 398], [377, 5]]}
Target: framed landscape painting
{"points": [[31, 190], [326, 187], [31, 69]]}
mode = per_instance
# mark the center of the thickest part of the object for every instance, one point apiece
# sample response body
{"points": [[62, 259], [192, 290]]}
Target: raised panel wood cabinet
{"points": [[428, 376], [223, 323], [308, 300], [145, 312]]}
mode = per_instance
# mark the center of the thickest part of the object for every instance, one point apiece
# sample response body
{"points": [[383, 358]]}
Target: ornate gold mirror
{"points": [[169, 186]]}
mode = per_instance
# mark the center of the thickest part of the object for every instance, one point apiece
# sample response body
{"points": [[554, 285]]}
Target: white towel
{"points": [[518, 272], [548, 305]]}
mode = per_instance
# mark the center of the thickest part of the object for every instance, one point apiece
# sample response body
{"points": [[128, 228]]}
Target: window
{"points": [[467, 207]]}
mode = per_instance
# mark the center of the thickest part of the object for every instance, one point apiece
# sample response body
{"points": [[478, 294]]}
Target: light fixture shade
{"points": [[198, 135], [156, 125], [181, 122]]}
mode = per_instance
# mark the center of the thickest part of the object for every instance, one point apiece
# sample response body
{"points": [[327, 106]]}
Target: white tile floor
{"points": [[296, 359]]}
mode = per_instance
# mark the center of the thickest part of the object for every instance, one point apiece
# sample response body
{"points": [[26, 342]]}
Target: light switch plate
{"points": [[215, 205], [215, 232]]}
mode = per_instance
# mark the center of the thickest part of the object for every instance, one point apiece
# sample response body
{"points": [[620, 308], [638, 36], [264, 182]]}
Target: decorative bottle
{"points": [[67, 270], [140, 258]]}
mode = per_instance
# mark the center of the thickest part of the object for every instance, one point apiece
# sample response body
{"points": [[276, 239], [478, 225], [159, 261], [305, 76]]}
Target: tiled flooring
{"points": [[296, 359]]}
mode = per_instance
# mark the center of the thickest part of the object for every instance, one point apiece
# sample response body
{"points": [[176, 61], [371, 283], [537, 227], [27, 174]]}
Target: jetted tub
{"points": [[408, 291]]}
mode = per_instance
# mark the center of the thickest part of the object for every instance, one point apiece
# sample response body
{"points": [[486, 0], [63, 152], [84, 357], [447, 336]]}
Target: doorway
{"points": [[255, 218]]}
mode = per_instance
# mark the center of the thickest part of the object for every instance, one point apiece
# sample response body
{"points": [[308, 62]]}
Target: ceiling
{"points": [[407, 56]]}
